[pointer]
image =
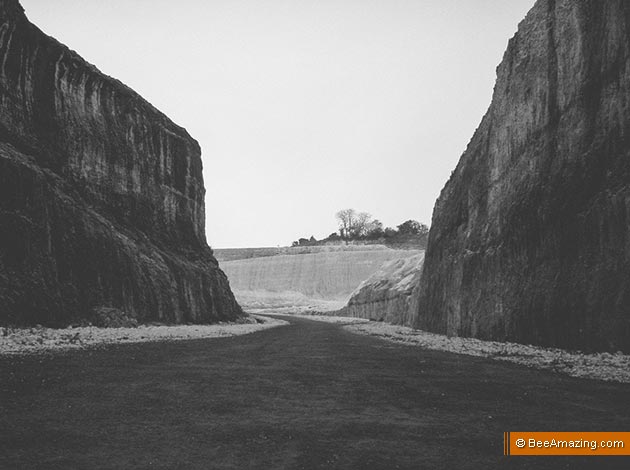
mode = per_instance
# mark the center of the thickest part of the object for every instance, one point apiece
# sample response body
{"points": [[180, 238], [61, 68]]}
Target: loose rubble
{"points": [[40, 340], [599, 366]]}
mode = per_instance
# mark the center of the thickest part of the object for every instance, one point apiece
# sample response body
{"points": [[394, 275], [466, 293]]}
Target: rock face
{"points": [[101, 195], [530, 239], [390, 294]]}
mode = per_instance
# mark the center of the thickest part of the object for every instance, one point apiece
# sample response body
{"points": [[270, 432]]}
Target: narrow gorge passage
{"points": [[306, 395]]}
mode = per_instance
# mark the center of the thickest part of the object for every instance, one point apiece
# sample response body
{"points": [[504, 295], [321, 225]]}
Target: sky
{"points": [[303, 107]]}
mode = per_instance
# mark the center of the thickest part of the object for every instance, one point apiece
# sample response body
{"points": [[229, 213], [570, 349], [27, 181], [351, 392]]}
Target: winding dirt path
{"points": [[306, 395]]}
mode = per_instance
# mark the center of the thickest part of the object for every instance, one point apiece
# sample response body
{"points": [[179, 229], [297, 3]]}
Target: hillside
{"points": [[327, 274], [231, 254]]}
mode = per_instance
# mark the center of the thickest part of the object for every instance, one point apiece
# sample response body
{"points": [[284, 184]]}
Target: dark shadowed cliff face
{"points": [[530, 239], [101, 195]]}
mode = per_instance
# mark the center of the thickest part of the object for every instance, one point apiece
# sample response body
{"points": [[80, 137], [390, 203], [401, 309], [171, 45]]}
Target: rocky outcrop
{"points": [[530, 239], [101, 195], [390, 294]]}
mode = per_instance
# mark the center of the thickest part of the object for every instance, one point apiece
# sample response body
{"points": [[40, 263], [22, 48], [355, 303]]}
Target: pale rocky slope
{"points": [[390, 294], [326, 275]]}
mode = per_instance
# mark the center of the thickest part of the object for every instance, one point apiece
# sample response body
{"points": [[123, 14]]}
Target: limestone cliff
{"points": [[530, 239], [390, 294], [101, 195]]}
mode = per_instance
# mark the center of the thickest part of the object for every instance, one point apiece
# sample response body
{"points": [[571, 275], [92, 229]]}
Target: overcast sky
{"points": [[303, 107]]}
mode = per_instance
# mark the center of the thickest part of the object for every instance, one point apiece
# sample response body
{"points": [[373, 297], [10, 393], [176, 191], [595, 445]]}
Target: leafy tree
{"points": [[374, 230], [390, 232], [413, 227]]}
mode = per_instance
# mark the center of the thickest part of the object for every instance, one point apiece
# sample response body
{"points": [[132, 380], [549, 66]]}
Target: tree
{"points": [[374, 230], [390, 232], [346, 221], [360, 227], [413, 227], [353, 224]]}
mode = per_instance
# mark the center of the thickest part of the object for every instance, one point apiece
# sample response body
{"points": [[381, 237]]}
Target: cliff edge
{"points": [[530, 238], [101, 195]]}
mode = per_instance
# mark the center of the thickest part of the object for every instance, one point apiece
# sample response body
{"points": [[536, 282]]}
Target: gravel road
{"points": [[306, 395]]}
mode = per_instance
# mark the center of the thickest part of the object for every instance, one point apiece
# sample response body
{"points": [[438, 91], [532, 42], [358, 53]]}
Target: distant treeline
{"points": [[359, 227]]}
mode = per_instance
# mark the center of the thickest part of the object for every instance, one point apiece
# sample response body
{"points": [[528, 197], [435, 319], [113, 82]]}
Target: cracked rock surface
{"points": [[530, 238], [101, 195]]}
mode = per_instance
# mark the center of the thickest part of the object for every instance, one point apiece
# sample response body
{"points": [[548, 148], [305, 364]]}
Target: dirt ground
{"points": [[599, 366], [307, 395]]}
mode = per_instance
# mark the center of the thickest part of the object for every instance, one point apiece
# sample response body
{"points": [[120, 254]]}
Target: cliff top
{"points": [[13, 11], [11, 8]]}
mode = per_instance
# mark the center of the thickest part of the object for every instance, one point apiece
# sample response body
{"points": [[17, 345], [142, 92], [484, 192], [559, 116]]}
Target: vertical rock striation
{"points": [[101, 195], [530, 239]]}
